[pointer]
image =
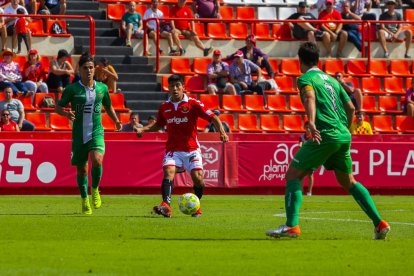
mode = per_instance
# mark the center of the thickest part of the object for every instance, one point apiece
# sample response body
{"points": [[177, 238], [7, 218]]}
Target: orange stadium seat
{"points": [[195, 84], [245, 13], [27, 103], [334, 65], [371, 86], [36, 27], [118, 102], [400, 68], [293, 123], [181, 66], [226, 12], [238, 30], [141, 9], [58, 122], [217, 31], [277, 104], [211, 102], [38, 119], [45, 62], [378, 67], [290, 67], [194, 96], [274, 63], [355, 81], [39, 98], [200, 30], [232, 103], [409, 15], [248, 123], [262, 31], [356, 68], [229, 119], [404, 124], [107, 123], [62, 23], [388, 105], [296, 103], [383, 124], [285, 84], [254, 103], [369, 105], [394, 86], [115, 11], [124, 117], [21, 60], [282, 32], [200, 65], [164, 83], [165, 10], [270, 123]]}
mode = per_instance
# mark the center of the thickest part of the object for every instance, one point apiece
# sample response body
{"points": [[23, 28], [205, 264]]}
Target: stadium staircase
{"points": [[136, 78]]}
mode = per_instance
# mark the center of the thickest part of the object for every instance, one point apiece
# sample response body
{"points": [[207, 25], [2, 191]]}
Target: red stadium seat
{"points": [[21, 60], [355, 81], [62, 23], [388, 105], [245, 13], [277, 104], [293, 123], [296, 103], [282, 32], [394, 86], [232, 103], [200, 65], [371, 86], [124, 117], [254, 103], [58, 122], [356, 68], [274, 63], [409, 15], [248, 123], [211, 102], [217, 31], [400, 68], [181, 66], [39, 98], [378, 67], [165, 10], [38, 119], [200, 30], [262, 31], [373, 33], [195, 84], [290, 67], [404, 124], [369, 105], [383, 124], [118, 102], [141, 9], [201, 124], [36, 27], [334, 65], [270, 123], [285, 84], [45, 62], [27, 103], [164, 83], [238, 30], [226, 12], [107, 123], [115, 11], [229, 119]]}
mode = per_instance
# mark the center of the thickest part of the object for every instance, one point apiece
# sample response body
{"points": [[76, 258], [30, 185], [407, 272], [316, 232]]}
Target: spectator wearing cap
{"points": [[60, 71], [10, 21], [360, 126], [241, 75], [211, 128], [34, 73], [217, 74], [254, 54], [354, 94], [393, 31], [206, 9], [11, 74], [354, 35], [306, 30], [334, 29]]}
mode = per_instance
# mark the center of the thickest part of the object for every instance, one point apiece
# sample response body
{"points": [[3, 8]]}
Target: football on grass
{"points": [[188, 203]]}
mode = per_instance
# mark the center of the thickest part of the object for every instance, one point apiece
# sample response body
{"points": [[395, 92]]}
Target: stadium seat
{"points": [[181, 66], [58, 122], [201, 124], [275, 2], [266, 13], [285, 84], [290, 67], [62, 23], [27, 103], [262, 31], [39, 98], [236, 2], [388, 105], [282, 32], [248, 123], [254, 103], [383, 124], [253, 2], [165, 10], [38, 119], [369, 105], [36, 27], [292, 2], [164, 83], [118, 102], [200, 65], [232, 103], [45, 62], [277, 104], [285, 12], [400, 68], [107, 123], [355, 81], [293, 123], [274, 63], [270, 123], [295, 103], [124, 117], [356, 68], [200, 30], [378, 67], [195, 84], [141, 8], [245, 13], [115, 11], [334, 65], [409, 15], [238, 30], [211, 102], [371, 86], [217, 31], [229, 119], [226, 12], [394, 86], [404, 124], [21, 60]]}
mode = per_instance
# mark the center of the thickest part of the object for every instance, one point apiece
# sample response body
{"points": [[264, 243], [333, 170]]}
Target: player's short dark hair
{"points": [[309, 53], [84, 58], [175, 78]]}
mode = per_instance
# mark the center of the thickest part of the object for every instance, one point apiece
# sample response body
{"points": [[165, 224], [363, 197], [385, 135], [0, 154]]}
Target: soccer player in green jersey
{"points": [[87, 98], [330, 113]]}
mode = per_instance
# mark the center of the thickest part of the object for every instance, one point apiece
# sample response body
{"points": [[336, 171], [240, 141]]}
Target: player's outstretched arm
{"points": [[218, 125], [309, 102], [68, 114], [111, 113]]}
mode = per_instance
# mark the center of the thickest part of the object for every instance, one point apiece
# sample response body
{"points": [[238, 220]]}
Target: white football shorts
{"points": [[184, 160]]}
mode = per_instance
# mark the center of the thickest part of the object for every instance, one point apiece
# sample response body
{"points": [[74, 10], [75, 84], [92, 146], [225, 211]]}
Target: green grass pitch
{"points": [[47, 235]]}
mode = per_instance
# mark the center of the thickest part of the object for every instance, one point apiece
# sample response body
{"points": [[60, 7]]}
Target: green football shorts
{"points": [[335, 156], [80, 151]]}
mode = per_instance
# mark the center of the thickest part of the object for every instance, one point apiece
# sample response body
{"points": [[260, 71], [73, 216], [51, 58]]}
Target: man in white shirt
{"points": [[10, 21]]}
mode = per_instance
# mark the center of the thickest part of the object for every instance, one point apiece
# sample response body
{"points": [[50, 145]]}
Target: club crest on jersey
{"points": [[185, 109]]}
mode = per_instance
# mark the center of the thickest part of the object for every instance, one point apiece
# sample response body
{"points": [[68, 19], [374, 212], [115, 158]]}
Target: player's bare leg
{"points": [[198, 180]]}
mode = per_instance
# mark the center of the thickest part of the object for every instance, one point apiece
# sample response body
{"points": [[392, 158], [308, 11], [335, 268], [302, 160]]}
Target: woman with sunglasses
{"points": [[6, 124]]}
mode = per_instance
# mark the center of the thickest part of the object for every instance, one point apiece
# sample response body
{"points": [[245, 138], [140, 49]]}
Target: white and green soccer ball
{"points": [[188, 203]]}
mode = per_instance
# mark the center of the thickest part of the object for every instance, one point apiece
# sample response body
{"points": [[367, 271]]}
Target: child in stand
{"points": [[22, 32], [303, 138]]}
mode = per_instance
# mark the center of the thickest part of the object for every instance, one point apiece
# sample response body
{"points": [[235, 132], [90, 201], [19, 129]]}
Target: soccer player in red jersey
{"points": [[179, 114]]}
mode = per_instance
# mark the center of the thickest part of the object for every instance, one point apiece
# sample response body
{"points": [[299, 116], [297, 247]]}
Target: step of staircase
{"points": [[137, 86], [96, 14], [137, 77], [106, 50], [147, 95], [118, 60], [75, 31], [82, 5], [144, 105], [101, 41], [99, 23]]}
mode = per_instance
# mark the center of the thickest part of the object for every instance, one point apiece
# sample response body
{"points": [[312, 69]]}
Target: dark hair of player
{"points": [[309, 54], [84, 58], [175, 78]]}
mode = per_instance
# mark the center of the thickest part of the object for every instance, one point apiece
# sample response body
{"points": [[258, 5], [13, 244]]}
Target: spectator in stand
{"points": [[30, 5], [408, 106], [52, 7], [22, 32], [10, 21], [206, 9], [334, 29], [34, 73], [217, 74], [354, 94], [131, 24], [133, 123], [241, 75], [154, 12], [3, 30], [105, 73], [16, 109], [362, 8], [306, 29], [6, 124], [60, 72], [151, 121], [186, 28], [354, 35], [11, 75], [360, 126], [4, 3], [211, 128], [393, 31]]}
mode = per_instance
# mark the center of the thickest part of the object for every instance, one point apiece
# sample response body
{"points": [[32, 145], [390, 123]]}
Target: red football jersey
{"points": [[181, 121]]}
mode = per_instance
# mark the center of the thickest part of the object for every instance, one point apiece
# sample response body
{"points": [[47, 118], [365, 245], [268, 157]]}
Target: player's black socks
{"points": [[166, 189], [198, 191]]}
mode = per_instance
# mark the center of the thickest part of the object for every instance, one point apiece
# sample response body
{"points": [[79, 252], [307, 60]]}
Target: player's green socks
{"points": [[362, 196], [96, 176], [83, 185], [293, 201]]}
